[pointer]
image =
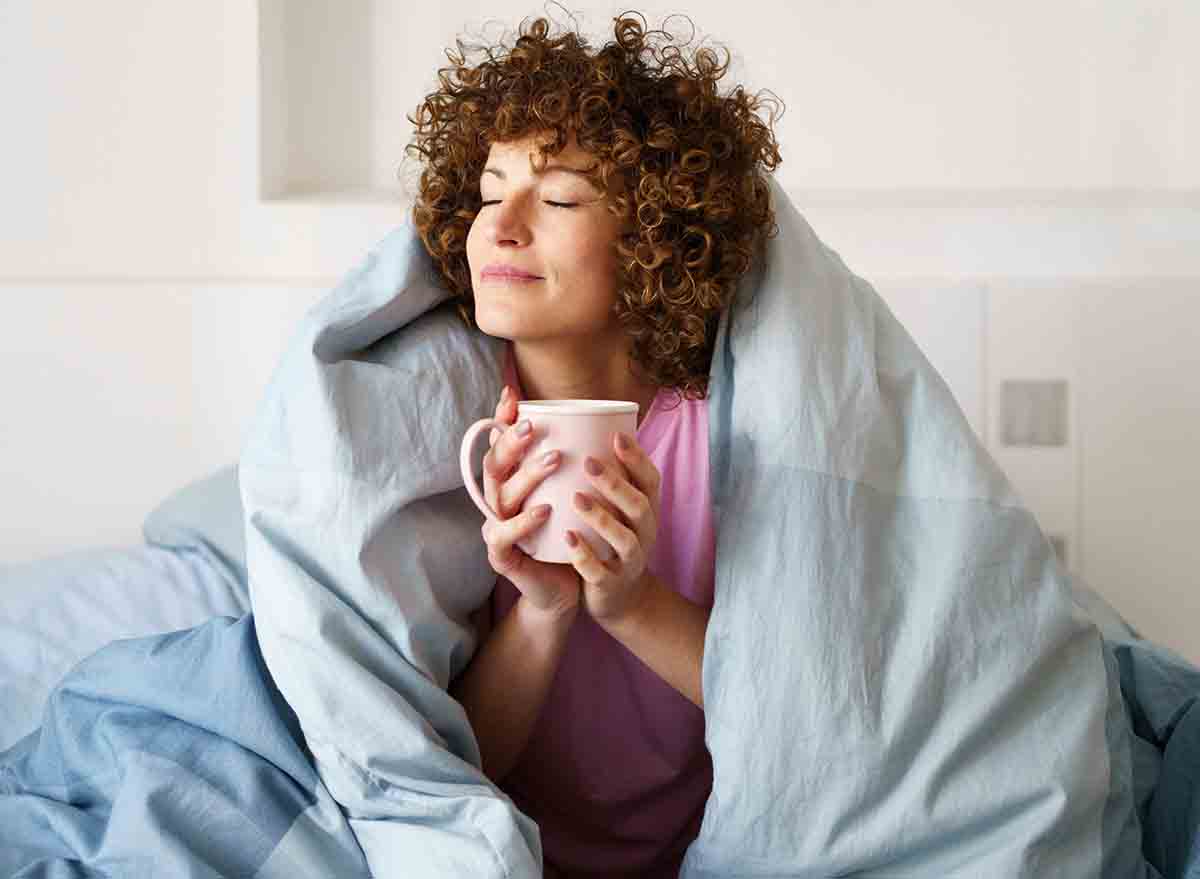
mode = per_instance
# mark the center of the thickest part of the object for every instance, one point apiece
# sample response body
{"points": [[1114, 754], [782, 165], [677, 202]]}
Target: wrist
{"points": [[666, 631], [637, 611], [551, 622]]}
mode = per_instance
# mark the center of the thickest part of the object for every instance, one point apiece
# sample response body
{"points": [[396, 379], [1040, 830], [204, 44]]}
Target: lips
{"points": [[512, 273]]}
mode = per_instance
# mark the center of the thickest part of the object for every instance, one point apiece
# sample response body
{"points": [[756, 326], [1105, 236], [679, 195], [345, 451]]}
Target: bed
{"points": [[60, 609], [191, 569], [944, 698]]}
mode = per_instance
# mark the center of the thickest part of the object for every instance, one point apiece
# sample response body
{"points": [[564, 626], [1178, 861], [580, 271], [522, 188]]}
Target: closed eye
{"points": [[557, 204]]}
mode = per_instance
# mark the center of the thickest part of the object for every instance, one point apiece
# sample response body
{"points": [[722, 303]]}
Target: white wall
{"points": [[1018, 179], [118, 393]]}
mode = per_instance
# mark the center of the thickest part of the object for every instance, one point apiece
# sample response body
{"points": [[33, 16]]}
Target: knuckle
{"points": [[519, 476], [510, 497], [496, 545], [490, 464], [628, 546], [501, 467]]}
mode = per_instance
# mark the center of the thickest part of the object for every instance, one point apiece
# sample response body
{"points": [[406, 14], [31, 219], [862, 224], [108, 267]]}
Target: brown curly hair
{"points": [[682, 167]]}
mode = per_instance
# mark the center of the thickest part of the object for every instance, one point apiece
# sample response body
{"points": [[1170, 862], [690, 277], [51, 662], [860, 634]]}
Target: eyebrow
{"points": [[548, 169]]}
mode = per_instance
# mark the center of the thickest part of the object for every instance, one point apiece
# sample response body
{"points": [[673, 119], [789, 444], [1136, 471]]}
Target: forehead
{"points": [[519, 157]]}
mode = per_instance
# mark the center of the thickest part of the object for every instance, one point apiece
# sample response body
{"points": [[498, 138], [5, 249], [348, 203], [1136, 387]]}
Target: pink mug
{"points": [[578, 429]]}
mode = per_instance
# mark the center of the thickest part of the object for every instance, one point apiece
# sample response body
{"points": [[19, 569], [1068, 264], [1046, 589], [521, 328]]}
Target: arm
{"points": [[666, 632], [657, 624], [507, 681]]}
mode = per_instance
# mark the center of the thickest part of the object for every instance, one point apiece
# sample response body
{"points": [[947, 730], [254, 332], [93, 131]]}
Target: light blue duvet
{"points": [[899, 679]]}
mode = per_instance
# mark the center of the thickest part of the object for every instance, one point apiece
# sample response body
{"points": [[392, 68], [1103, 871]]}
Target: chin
{"points": [[500, 321]]}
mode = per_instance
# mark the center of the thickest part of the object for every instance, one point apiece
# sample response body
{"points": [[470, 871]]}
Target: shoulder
{"points": [[675, 433], [671, 400], [686, 411]]}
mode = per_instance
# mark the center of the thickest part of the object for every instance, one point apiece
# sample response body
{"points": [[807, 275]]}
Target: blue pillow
{"points": [[205, 515]]}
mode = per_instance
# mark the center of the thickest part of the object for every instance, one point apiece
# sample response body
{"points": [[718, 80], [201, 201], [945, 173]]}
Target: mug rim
{"points": [[578, 407]]}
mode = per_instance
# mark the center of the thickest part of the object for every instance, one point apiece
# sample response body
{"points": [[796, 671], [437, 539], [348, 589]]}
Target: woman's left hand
{"points": [[613, 589]]}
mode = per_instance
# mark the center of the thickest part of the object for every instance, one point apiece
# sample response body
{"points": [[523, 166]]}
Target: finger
{"points": [[503, 458], [506, 411], [610, 480], [623, 541], [641, 469], [528, 476], [501, 536], [590, 568]]}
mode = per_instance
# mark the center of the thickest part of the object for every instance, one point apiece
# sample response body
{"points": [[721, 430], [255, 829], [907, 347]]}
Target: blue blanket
{"points": [[175, 755], [171, 755], [899, 678]]}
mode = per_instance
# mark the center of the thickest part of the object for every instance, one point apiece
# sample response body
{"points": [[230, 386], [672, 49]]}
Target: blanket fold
{"points": [[365, 559]]}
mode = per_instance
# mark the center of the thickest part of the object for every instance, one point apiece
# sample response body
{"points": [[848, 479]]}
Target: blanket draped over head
{"points": [[897, 680]]}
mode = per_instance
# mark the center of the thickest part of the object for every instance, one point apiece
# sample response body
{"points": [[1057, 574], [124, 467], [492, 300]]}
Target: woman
{"points": [[629, 197]]}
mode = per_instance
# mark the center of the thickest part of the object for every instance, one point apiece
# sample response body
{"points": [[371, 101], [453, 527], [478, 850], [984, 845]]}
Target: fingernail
{"points": [[592, 466], [622, 442], [541, 512], [572, 539], [523, 428], [584, 502], [505, 394], [550, 458]]}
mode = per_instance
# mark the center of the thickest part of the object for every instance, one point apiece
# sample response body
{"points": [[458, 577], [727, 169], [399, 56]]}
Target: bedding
{"points": [[899, 678], [56, 611], [170, 755]]}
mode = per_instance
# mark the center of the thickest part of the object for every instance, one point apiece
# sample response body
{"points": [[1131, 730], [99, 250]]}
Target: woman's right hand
{"points": [[508, 478]]}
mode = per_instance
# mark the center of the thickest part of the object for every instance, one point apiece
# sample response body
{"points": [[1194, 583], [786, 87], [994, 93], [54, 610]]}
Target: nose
{"points": [[507, 223]]}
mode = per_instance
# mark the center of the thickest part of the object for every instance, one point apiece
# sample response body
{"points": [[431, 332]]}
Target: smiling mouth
{"points": [[510, 279]]}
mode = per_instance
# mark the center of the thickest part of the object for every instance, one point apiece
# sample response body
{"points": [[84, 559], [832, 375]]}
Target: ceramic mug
{"points": [[578, 429]]}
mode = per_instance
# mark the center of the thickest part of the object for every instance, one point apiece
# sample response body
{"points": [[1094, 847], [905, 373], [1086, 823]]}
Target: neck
{"points": [[566, 371]]}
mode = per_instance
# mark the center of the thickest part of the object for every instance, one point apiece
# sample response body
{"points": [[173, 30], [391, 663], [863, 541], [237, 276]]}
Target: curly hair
{"points": [[682, 167]]}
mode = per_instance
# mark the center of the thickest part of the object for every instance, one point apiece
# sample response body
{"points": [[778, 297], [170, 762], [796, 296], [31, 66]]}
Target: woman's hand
{"points": [[550, 590], [612, 590]]}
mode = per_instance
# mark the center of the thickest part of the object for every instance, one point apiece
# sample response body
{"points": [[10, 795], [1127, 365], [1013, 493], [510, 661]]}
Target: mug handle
{"points": [[464, 462]]}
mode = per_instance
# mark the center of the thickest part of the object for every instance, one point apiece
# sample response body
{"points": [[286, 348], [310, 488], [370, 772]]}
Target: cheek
{"points": [[595, 289], [593, 251], [473, 239]]}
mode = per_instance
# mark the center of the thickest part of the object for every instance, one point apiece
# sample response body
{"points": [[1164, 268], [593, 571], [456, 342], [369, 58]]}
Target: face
{"points": [[554, 225]]}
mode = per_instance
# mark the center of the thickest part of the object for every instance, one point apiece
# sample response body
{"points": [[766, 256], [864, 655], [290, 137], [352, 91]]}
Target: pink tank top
{"points": [[616, 773]]}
